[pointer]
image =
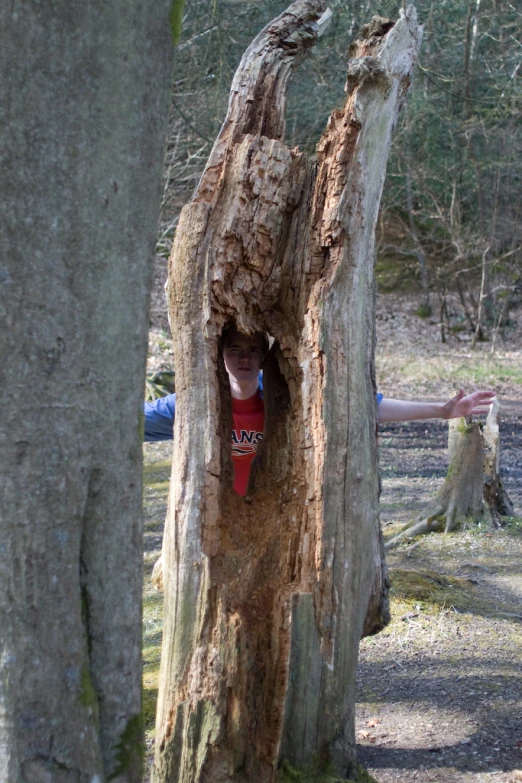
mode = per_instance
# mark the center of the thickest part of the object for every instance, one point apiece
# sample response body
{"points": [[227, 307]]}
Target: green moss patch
{"points": [[463, 427], [130, 754], [88, 696], [313, 774], [438, 590]]}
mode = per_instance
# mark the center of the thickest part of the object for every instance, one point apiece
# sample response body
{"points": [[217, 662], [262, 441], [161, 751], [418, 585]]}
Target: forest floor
{"points": [[440, 689]]}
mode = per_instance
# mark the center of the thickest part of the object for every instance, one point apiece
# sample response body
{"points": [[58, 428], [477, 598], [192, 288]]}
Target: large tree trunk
{"points": [[473, 489], [85, 94], [266, 596]]}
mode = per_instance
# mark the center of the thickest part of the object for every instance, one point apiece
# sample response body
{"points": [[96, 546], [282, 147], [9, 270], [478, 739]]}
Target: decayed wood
{"points": [[496, 498], [266, 596], [473, 489]]}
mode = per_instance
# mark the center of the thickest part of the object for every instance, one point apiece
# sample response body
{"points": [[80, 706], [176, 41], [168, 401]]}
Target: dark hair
{"points": [[233, 328]]}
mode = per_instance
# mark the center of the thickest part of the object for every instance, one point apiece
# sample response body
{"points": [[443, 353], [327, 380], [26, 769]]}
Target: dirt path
{"points": [[440, 690]]}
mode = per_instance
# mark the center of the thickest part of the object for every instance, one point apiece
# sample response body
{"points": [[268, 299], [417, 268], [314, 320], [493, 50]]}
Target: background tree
{"points": [[266, 597], [450, 211], [458, 149], [84, 100]]}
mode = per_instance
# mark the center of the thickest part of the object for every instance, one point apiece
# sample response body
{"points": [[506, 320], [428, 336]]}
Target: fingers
{"points": [[480, 397], [483, 397], [481, 401], [463, 404]]}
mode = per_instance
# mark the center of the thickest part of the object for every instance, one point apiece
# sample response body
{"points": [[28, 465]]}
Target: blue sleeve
{"points": [[159, 418], [379, 398]]}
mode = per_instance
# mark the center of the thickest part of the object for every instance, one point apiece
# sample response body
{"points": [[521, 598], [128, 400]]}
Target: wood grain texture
{"points": [[266, 596]]}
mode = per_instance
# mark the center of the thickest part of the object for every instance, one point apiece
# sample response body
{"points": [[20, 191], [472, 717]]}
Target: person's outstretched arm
{"points": [[461, 404], [159, 418]]}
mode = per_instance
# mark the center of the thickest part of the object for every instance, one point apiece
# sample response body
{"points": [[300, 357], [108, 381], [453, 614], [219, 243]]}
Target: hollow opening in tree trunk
{"points": [[257, 561], [266, 595]]}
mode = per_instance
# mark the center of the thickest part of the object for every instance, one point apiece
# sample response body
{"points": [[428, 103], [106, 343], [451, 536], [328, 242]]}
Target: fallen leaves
{"points": [[372, 723]]}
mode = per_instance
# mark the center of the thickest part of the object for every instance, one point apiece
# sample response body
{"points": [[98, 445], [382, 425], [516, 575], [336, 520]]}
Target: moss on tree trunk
{"points": [[266, 596], [472, 489]]}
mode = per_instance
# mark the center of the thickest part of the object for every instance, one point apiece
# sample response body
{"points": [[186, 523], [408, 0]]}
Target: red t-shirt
{"points": [[248, 419]]}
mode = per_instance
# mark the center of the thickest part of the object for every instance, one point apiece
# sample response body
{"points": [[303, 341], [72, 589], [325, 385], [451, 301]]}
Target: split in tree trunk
{"points": [[266, 596], [473, 489]]}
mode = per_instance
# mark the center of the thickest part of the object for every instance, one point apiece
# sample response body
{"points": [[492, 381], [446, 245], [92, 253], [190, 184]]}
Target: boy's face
{"points": [[243, 356]]}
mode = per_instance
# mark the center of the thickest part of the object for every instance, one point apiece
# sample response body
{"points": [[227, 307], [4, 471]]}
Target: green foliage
{"points": [[512, 525], [159, 385], [424, 311]]}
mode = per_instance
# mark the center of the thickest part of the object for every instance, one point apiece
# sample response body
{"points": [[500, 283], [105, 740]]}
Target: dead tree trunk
{"points": [[473, 489], [496, 498], [266, 596]]}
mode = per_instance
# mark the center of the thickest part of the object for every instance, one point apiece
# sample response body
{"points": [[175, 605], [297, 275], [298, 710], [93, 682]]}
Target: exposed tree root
{"points": [[472, 489]]}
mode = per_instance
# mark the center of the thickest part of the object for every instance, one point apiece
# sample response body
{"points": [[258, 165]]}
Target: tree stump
{"points": [[496, 498], [472, 489], [266, 596]]}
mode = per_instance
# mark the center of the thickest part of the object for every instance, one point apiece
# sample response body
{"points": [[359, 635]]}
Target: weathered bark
{"points": [[85, 96], [496, 498], [473, 488], [266, 596]]}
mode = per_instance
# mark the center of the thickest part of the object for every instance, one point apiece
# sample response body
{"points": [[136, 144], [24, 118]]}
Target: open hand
{"points": [[463, 404]]}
